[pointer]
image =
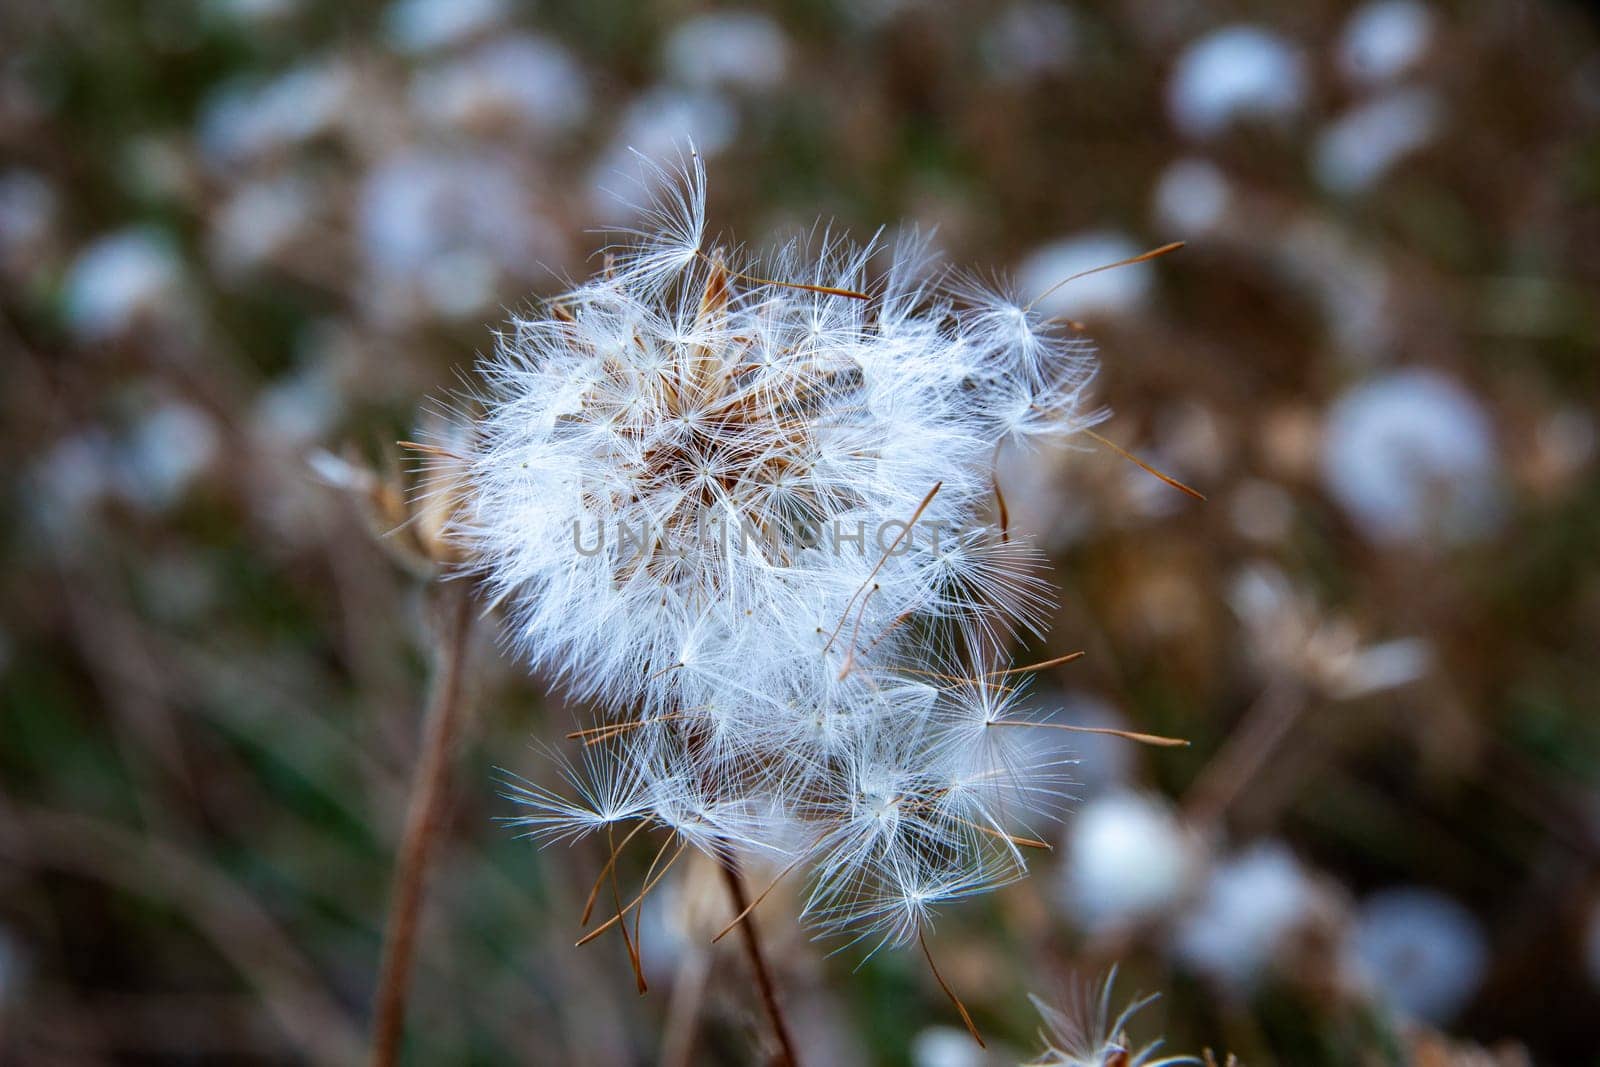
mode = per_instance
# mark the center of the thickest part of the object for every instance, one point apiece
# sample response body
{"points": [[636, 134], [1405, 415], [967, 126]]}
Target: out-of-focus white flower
{"points": [[1420, 952], [424, 25], [1238, 72], [681, 918], [337, 472], [1383, 39], [1029, 40], [1290, 633], [1109, 292], [738, 49], [252, 118], [663, 118], [259, 220], [653, 127], [1357, 150], [1087, 1035], [520, 80], [121, 280], [149, 467], [168, 450], [1252, 903], [1192, 197], [709, 501], [944, 1046], [1410, 454], [1386, 665], [450, 229], [1129, 858], [295, 410]]}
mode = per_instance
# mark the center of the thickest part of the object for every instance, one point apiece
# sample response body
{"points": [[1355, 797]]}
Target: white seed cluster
{"points": [[749, 509]]}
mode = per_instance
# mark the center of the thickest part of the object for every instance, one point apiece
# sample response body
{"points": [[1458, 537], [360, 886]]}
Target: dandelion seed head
{"points": [[743, 503]]}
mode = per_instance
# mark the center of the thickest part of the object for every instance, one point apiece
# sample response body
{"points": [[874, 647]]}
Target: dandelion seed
{"points": [[1087, 1035]]}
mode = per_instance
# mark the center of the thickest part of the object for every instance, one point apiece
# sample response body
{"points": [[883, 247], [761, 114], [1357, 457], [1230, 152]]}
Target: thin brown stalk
{"points": [[1000, 502], [425, 822], [600, 879], [958, 679], [1142, 465], [855, 632], [635, 902], [966, 1018], [595, 735], [1142, 257], [1127, 735], [826, 290], [758, 960], [638, 915], [1040, 666], [627, 941], [982, 679], [737, 919], [431, 450], [899, 620], [1020, 842]]}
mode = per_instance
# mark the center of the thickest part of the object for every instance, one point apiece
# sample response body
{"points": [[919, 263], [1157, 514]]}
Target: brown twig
{"points": [[758, 960], [425, 819]]}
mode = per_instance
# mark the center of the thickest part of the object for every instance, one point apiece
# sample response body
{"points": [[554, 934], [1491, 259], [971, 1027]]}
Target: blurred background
{"points": [[240, 237]]}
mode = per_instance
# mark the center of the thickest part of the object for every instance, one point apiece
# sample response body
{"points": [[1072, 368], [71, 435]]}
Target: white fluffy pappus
{"points": [[741, 504], [1088, 1035]]}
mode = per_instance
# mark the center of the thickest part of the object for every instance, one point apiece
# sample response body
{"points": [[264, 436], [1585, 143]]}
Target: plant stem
{"points": [[425, 819], [1245, 753], [758, 960]]}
